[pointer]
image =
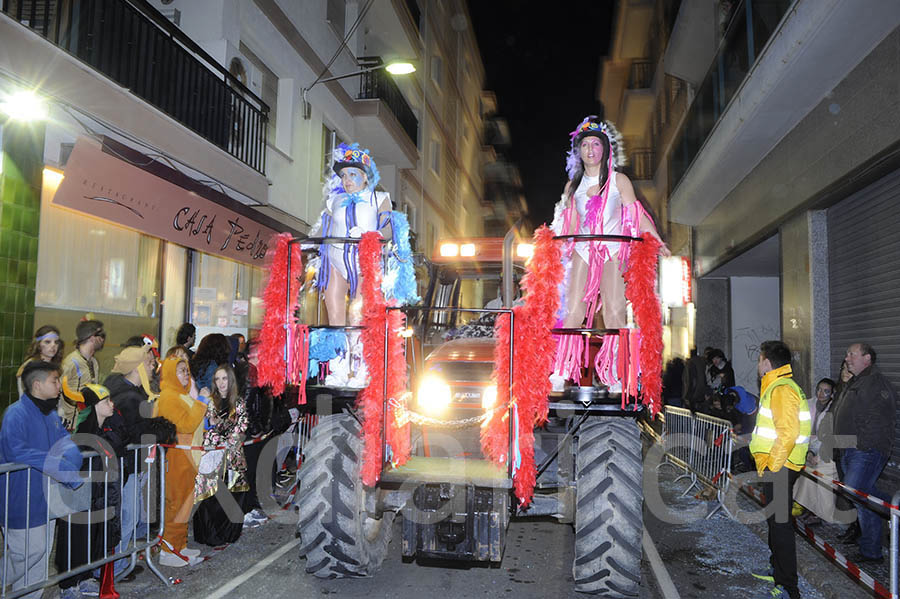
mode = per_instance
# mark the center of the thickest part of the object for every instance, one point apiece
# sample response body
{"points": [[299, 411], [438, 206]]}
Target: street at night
{"points": [[449, 298]]}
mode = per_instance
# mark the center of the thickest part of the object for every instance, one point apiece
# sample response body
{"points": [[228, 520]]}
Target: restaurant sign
{"points": [[104, 186]]}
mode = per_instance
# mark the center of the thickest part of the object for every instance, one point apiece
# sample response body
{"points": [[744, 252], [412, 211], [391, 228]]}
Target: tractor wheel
{"points": [[608, 508], [338, 538]]}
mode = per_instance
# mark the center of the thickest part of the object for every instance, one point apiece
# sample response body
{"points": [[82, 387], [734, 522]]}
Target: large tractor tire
{"points": [[338, 538], [608, 509]]}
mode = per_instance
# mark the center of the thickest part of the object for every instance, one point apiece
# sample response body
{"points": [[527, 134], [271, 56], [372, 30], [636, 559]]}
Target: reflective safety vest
{"points": [[764, 434]]}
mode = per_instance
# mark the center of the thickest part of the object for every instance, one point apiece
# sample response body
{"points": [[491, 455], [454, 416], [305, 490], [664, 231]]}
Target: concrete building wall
{"points": [[848, 129]]}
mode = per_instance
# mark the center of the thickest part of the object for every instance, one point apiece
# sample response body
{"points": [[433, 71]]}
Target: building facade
{"points": [[782, 166], [180, 135]]}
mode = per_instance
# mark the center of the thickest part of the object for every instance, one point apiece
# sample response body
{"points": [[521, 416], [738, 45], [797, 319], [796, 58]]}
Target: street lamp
{"points": [[24, 106], [394, 68]]}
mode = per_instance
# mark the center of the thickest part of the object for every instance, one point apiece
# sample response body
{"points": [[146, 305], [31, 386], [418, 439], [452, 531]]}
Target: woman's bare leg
{"points": [[575, 306], [336, 298], [612, 294]]}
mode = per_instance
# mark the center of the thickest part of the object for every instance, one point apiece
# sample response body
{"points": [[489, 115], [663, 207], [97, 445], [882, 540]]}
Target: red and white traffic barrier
{"points": [[837, 557], [834, 483], [833, 554]]}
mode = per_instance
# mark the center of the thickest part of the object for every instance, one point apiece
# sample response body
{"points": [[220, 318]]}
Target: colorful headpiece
{"points": [[50, 335], [352, 155], [591, 125], [150, 341]]}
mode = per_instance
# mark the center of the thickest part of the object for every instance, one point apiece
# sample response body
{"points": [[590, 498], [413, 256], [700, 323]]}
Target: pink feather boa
{"points": [[371, 401], [533, 361], [640, 289], [273, 338]]}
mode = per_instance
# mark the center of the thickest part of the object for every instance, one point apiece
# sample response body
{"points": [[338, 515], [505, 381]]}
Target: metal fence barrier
{"points": [[700, 445], [82, 517]]}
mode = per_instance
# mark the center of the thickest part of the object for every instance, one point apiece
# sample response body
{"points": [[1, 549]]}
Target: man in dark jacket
{"points": [[695, 389], [866, 412], [129, 388]]}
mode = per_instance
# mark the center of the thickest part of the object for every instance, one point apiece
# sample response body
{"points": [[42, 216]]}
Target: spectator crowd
{"points": [[202, 406]]}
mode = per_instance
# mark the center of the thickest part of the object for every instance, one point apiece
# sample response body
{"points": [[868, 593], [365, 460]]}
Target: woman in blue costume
{"points": [[352, 207]]}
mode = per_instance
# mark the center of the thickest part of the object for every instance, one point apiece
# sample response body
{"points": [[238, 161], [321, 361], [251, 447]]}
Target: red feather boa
{"points": [[371, 400], [533, 362], [273, 336], [640, 289]]}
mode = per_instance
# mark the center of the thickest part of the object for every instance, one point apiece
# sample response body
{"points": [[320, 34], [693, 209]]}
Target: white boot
{"points": [[359, 372], [338, 371], [558, 381]]}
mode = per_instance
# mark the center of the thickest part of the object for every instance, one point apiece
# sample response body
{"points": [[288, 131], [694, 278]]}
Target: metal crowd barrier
{"points": [[67, 508], [701, 446]]}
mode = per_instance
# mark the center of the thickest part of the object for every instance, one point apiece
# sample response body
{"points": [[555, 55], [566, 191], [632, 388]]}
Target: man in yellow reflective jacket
{"points": [[779, 444]]}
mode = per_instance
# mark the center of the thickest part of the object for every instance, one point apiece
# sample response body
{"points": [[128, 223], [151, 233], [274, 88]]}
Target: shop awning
{"points": [[107, 187]]}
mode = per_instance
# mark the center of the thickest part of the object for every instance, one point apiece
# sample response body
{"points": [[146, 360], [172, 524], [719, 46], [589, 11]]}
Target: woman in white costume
{"points": [[597, 200]]}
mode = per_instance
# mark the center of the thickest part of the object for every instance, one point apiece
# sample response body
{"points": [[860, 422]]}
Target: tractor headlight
{"points": [[489, 397], [434, 394]]}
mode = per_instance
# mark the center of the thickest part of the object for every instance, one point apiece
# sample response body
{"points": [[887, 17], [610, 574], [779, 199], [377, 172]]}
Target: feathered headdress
{"points": [[591, 125], [352, 155]]}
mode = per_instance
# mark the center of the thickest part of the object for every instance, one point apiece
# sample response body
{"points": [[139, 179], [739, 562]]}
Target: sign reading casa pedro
{"points": [[109, 188]]}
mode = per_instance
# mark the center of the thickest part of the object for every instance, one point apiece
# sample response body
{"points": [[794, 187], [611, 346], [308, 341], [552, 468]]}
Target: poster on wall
{"points": [[240, 307], [202, 315]]}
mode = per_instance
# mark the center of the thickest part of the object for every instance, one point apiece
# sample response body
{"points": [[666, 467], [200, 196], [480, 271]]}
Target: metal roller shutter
{"points": [[864, 285]]}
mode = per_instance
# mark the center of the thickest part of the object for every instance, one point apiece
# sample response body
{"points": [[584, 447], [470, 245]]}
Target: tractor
{"points": [[454, 503]]}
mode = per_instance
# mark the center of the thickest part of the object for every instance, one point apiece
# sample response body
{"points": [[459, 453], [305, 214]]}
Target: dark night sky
{"points": [[542, 60]]}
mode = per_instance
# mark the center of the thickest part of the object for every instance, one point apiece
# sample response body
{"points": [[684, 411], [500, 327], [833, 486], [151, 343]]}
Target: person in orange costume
{"points": [[186, 413]]}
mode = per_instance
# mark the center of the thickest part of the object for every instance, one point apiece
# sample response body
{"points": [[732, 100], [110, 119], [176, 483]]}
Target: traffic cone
{"points": [[107, 582]]}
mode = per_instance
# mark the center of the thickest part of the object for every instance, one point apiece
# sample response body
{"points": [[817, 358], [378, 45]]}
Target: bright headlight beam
{"points": [[525, 250], [467, 249], [489, 397], [449, 250], [434, 394]]}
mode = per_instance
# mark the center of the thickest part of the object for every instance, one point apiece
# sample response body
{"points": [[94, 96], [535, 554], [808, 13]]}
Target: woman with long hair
{"points": [[597, 200], [223, 468], [212, 352], [47, 345]]}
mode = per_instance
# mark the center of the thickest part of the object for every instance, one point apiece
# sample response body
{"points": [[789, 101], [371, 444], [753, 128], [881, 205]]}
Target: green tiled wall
{"points": [[21, 153]]}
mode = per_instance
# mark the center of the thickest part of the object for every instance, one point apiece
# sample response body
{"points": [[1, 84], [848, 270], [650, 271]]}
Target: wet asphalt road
{"points": [[537, 563], [704, 559]]}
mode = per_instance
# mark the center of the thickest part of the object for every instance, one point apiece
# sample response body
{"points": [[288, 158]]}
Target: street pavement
{"points": [[702, 558]]}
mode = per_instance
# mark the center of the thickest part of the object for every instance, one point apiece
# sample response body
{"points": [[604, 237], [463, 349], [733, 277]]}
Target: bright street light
{"points": [[396, 67], [400, 68], [24, 106]]}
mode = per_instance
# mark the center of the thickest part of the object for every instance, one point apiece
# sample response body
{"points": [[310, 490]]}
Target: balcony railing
{"points": [[378, 84], [131, 43], [750, 29], [641, 74], [642, 164]]}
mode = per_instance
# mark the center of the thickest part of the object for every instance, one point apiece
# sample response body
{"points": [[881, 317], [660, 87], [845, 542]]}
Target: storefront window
{"points": [[226, 296], [87, 265]]}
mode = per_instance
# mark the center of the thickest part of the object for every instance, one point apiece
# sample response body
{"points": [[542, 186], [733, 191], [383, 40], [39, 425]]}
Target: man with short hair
{"points": [[80, 367], [779, 445], [187, 336], [866, 412], [33, 434]]}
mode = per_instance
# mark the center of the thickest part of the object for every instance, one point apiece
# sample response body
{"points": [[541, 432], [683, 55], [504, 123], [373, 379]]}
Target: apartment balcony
{"points": [[641, 163], [135, 46], [777, 60], [637, 100], [384, 117]]}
